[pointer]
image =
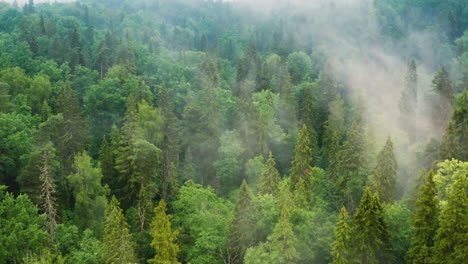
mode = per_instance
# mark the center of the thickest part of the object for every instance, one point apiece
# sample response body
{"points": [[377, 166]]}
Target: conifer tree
{"points": [[454, 144], [48, 195], [243, 223], [341, 245], [352, 167], [283, 240], [301, 165], [164, 239], [385, 173], [170, 144], [425, 221], [118, 247], [270, 177], [107, 159], [370, 237], [308, 118], [442, 101], [409, 98], [451, 244]]}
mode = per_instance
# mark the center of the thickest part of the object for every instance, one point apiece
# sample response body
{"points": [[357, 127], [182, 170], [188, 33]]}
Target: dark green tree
{"points": [[369, 236], [442, 100], [384, 177], [426, 222], [270, 177], [301, 166]]}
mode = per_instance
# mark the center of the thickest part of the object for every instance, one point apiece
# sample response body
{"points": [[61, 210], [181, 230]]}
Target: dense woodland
{"points": [[211, 132]]}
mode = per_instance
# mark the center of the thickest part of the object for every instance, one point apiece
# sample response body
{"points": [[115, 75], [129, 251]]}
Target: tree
{"points": [[341, 246], [270, 177], [454, 144], [242, 236], [409, 98], [426, 222], [370, 237], [442, 100], [73, 136], [283, 240], [299, 66], [301, 165], [308, 118], [118, 247], [90, 200], [21, 230], [48, 195], [353, 166], [5, 104], [164, 239], [384, 177], [450, 244]]}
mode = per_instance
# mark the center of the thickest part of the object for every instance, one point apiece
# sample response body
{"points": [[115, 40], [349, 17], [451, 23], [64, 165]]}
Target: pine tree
{"points": [[164, 239], [244, 223], [409, 98], [454, 144], [270, 177], [48, 195], [118, 247], [308, 118], [370, 237], [170, 143], [451, 240], [301, 165], [425, 221], [283, 240], [442, 101], [74, 136], [384, 178], [352, 167], [341, 245]]}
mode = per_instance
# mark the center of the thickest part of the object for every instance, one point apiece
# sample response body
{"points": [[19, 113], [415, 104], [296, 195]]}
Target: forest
{"points": [[230, 132]]}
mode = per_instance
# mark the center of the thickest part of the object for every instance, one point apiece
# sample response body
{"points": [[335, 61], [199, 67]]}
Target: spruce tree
{"points": [[283, 240], [342, 244], [164, 239], [244, 223], [308, 118], [451, 240], [442, 100], [118, 247], [384, 178], [301, 165], [454, 144], [370, 237], [425, 221], [270, 177], [48, 195]]}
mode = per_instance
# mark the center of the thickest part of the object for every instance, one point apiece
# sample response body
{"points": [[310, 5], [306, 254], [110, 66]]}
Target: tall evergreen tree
{"points": [[243, 223], [442, 101], [454, 144], [409, 98], [341, 247], [301, 165], [370, 237], [270, 177], [117, 240], [451, 240], [283, 240], [384, 178], [308, 118], [48, 195], [426, 222], [164, 239]]}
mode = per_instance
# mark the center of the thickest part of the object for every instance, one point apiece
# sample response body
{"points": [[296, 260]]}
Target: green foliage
{"points": [[426, 222], [89, 194], [301, 167], [450, 241], [341, 246], [369, 232], [164, 239], [21, 230], [299, 66], [401, 229], [384, 177], [118, 246], [270, 177]]}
